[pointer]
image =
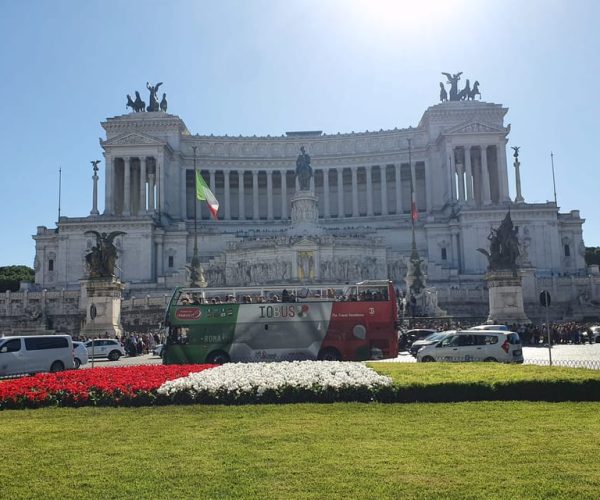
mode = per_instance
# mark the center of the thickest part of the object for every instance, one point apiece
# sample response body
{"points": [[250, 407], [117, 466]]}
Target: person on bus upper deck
{"points": [[292, 297], [275, 298], [285, 295]]}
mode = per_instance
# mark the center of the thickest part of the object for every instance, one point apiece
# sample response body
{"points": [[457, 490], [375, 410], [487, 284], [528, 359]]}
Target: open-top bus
{"points": [[349, 322]]}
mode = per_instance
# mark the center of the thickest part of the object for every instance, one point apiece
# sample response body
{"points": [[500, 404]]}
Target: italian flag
{"points": [[414, 213], [204, 193]]}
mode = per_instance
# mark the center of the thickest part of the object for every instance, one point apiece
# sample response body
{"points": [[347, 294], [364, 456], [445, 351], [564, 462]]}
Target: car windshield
{"points": [[434, 337]]}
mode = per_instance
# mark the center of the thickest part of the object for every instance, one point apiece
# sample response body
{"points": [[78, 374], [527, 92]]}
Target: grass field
{"points": [[461, 450]]}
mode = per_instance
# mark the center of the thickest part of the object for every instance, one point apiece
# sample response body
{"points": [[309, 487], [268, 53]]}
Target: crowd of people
{"points": [[571, 332]]}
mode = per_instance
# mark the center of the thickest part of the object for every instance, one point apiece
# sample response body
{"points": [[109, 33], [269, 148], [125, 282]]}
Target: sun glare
{"points": [[404, 17]]}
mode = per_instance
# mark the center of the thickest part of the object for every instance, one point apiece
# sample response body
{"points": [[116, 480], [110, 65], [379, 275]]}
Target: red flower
{"points": [[106, 386]]}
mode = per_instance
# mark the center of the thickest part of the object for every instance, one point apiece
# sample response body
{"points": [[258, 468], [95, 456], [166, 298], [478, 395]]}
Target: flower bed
{"points": [[285, 382], [123, 386]]}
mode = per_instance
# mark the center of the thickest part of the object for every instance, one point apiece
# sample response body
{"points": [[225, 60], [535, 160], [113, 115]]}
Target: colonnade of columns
{"points": [[132, 185], [478, 174], [342, 191]]}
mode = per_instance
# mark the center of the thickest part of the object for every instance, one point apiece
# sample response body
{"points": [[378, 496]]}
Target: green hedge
{"points": [[452, 382]]}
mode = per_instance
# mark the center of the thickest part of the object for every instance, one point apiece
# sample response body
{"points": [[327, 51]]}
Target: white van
{"points": [[475, 345], [36, 353]]}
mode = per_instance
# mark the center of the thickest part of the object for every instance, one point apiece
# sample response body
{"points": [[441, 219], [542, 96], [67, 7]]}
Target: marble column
{"points": [[485, 177], [502, 171], [284, 203], [160, 180], [325, 192], [255, 214], [340, 192], [142, 206], [94, 210], [451, 173], [269, 195], [354, 171], [109, 185], [469, 172], [383, 186], [127, 188], [227, 195], [398, 171], [369, 172], [460, 174], [151, 187], [519, 198], [241, 196]]}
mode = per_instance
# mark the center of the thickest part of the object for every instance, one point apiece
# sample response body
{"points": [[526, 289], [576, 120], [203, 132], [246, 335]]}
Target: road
{"points": [[576, 355]]}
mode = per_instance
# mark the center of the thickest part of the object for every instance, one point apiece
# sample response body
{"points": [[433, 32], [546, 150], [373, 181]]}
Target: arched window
{"points": [[567, 250]]}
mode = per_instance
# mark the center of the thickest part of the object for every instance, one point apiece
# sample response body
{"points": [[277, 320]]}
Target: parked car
{"points": [[158, 350], [418, 334], [432, 338], [33, 354], [595, 332], [80, 354], [105, 348], [475, 345], [490, 327]]}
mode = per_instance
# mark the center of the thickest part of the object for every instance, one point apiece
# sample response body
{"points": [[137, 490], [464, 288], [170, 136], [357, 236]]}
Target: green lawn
{"points": [[462, 450]]}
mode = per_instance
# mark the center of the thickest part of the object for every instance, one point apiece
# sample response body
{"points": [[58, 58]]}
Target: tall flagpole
{"points": [[553, 179], [194, 264], [414, 275], [59, 189]]}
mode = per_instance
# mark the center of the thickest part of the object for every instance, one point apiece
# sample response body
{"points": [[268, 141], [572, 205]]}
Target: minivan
{"points": [[475, 345], [36, 353]]}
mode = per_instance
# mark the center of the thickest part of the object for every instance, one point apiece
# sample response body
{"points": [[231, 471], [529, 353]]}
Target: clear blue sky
{"points": [[267, 66]]}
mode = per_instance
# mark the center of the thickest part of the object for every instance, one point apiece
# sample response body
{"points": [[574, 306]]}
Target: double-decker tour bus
{"points": [[278, 323]]}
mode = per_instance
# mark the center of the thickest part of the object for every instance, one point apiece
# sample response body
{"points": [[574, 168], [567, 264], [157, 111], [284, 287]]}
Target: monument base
{"points": [[102, 303], [505, 298], [305, 214]]}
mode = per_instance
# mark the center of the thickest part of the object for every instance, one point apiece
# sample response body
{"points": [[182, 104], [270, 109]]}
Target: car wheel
{"points": [[77, 363], [217, 358], [57, 366], [491, 360], [427, 359], [330, 354], [114, 355]]}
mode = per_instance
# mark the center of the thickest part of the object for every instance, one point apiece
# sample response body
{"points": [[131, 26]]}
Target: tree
{"points": [[11, 277], [592, 255]]}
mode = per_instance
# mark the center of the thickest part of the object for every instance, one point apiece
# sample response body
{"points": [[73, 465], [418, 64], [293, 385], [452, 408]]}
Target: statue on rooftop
{"points": [[303, 170], [154, 105], [102, 257]]}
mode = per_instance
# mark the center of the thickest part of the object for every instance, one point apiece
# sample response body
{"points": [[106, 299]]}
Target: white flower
{"points": [[256, 379]]}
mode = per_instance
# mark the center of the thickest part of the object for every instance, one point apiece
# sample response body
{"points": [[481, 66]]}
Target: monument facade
{"points": [[311, 207]]}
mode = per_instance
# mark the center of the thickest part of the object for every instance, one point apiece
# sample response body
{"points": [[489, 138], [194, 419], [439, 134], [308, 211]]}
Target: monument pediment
{"points": [[133, 139], [475, 128]]}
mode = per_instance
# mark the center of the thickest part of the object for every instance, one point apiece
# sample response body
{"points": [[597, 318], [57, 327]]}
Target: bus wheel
{"points": [[217, 358], [330, 354]]}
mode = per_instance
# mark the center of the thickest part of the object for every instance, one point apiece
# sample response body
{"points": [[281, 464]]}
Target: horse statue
{"points": [[464, 93], [443, 93], [102, 257], [163, 103], [130, 103], [303, 170], [154, 105], [139, 104], [474, 91], [504, 247], [453, 81]]}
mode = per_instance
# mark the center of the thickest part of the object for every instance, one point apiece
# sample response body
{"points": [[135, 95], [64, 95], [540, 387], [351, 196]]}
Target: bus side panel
{"points": [[198, 330], [357, 327], [280, 331]]}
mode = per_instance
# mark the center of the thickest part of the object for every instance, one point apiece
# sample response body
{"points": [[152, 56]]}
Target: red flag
{"points": [[414, 213]]}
